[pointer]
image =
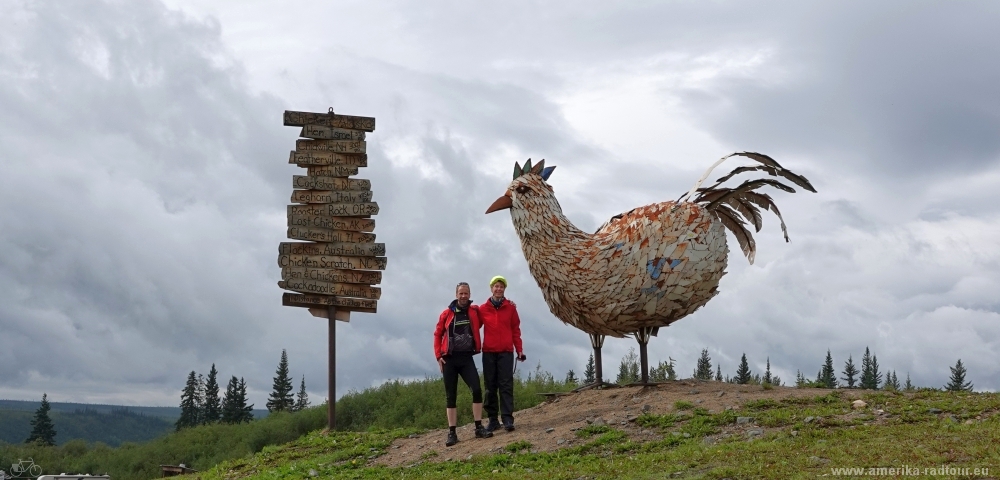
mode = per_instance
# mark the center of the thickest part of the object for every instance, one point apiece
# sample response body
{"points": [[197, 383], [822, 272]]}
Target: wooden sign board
{"points": [[331, 196], [330, 183], [334, 209], [331, 171], [307, 301], [326, 235], [336, 146], [332, 223], [305, 159], [344, 249], [320, 132], [301, 119], [332, 276], [333, 262], [352, 290]]}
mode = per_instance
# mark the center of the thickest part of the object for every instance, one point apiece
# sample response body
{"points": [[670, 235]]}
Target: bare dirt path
{"points": [[552, 425]]}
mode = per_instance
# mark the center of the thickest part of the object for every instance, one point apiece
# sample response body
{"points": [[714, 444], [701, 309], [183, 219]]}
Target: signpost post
{"points": [[332, 271]]}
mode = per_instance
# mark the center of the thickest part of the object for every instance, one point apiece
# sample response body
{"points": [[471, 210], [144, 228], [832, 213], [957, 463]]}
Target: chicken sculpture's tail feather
{"points": [[735, 207]]}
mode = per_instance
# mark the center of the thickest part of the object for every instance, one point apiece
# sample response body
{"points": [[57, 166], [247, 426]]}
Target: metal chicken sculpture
{"points": [[645, 268]]}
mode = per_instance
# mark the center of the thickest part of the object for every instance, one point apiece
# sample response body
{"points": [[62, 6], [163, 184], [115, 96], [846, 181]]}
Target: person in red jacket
{"points": [[456, 340], [501, 337]]}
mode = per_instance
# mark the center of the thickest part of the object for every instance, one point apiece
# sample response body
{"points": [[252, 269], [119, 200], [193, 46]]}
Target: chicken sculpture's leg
{"points": [[597, 341], [643, 336]]}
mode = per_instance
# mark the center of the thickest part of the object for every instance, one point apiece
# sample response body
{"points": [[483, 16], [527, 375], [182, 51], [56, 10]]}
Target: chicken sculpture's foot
{"points": [[642, 336], [596, 341]]}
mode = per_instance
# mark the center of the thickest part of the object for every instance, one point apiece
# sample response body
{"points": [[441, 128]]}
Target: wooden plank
{"points": [[305, 159], [327, 235], [340, 314], [332, 275], [330, 183], [308, 301], [301, 119], [334, 209], [333, 262], [329, 248], [331, 171], [331, 196], [320, 132], [332, 223], [336, 146], [352, 290]]}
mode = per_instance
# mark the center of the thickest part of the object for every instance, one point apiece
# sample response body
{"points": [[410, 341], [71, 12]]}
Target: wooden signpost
{"points": [[333, 268]]}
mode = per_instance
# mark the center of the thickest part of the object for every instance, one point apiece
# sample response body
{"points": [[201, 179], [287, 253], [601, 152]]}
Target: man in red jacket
{"points": [[501, 337], [456, 340]]}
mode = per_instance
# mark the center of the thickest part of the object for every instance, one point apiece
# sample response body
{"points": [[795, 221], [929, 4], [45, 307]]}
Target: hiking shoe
{"points": [[508, 425], [494, 425], [452, 439], [483, 433]]}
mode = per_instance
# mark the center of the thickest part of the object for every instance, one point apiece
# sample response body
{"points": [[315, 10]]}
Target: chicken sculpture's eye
{"points": [[523, 189]]}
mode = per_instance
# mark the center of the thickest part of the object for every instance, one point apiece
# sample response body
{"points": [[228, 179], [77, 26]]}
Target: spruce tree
{"points": [[800, 380], [743, 375], [628, 369], [663, 371], [200, 398], [302, 399], [246, 414], [212, 411], [281, 394], [850, 371], [957, 383], [571, 379], [867, 375], [829, 375], [909, 386], [704, 369], [891, 381], [767, 372], [589, 372], [718, 373], [876, 375], [189, 403], [231, 410], [43, 431]]}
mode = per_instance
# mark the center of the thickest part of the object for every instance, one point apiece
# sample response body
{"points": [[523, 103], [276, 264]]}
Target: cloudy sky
{"points": [[143, 178]]}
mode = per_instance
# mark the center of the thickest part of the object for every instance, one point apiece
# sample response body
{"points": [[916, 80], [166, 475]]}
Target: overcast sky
{"points": [[144, 178]]}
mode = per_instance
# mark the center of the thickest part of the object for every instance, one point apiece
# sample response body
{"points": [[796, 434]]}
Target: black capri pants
{"points": [[464, 366]]}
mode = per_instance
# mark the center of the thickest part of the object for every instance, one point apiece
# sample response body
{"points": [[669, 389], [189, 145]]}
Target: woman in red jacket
{"points": [[501, 337], [456, 340]]}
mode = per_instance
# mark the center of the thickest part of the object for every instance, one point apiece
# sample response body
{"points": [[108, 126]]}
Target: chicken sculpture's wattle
{"points": [[645, 268]]}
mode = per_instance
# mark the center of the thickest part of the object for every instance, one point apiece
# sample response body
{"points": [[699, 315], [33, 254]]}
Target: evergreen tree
{"points": [[800, 380], [43, 431], [767, 372], [663, 371], [876, 375], [909, 386], [628, 369], [247, 410], [704, 369], [200, 398], [232, 411], [891, 381], [829, 375], [302, 398], [189, 403], [589, 372], [281, 395], [718, 373], [956, 383], [850, 371], [868, 378], [743, 371], [212, 411], [571, 378], [776, 380]]}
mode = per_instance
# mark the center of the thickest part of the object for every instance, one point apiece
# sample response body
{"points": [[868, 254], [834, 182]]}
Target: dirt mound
{"points": [[552, 425]]}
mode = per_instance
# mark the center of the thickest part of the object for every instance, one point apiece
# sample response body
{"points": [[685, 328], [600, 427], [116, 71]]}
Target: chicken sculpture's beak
{"points": [[502, 203]]}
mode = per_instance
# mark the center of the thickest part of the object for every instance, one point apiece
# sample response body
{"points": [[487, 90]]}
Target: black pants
{"points": [[454, 366], [498, 368]]}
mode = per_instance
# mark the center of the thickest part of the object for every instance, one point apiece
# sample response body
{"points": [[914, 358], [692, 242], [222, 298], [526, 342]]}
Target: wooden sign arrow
{"points": [[325, 248], [332, 276], [316, 158], [335, 209], [337, 146], [330, 183], [331, 196], [327, 133], [328, 235], [309, 301], [334, 262], [301, 119], [338, 289], [331, 171], [332, 223]]}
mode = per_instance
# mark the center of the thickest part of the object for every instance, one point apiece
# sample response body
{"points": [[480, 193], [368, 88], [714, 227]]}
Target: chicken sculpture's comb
{"points": [[538, 169]]}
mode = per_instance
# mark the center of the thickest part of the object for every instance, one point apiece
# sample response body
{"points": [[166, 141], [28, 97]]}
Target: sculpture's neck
{"points": [[545, 224]]}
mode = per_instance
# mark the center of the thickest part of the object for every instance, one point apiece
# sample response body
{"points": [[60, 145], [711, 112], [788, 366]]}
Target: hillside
{"points": [[686, 429]]}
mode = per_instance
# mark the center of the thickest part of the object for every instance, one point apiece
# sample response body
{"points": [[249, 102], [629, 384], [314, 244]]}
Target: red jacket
{"points": [[444, 322], [502, 327]]}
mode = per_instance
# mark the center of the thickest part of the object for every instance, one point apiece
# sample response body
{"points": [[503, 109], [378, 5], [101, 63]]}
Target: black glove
{"points": [[522, 357]]}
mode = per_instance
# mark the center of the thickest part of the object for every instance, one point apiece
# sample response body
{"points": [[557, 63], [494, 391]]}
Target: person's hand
{"points": [[441, 363], [522, 357]]}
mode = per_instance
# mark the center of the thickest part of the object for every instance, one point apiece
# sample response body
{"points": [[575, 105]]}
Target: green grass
{"points": [[910, 436]]}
